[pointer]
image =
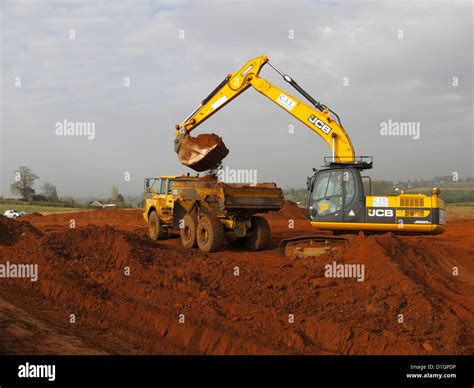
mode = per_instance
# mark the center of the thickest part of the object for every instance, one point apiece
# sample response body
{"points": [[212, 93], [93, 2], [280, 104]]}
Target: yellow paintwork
{"points": [[162, 203], [334, 136], [405, 205], [367, 226], [406, 201], [189, 189]]}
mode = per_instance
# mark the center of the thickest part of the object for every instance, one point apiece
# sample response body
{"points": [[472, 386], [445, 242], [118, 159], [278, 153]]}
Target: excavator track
{"points": [[309, 246]]}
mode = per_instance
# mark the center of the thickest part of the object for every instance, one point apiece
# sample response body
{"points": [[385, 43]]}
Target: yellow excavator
{"points": [[335, 200]]}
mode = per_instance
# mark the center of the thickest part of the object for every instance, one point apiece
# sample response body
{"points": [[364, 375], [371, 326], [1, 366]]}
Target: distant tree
{"points": [[114, 194], [120, 198], [442, 179], [50, 192], [295, 195], [38, 198], [69, 199], [24, 181]]}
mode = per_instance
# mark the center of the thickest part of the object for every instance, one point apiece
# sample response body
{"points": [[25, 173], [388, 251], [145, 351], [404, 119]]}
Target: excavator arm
{"points": [[320, 119]]}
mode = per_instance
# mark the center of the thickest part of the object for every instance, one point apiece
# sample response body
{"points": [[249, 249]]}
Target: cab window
{"points": [[170, 186], [319, 189], [335, 184], [163, 186], [327, 192], [348, 178]]}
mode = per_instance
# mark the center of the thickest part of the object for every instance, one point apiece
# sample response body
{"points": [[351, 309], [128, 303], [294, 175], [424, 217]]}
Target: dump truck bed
{"points": [[223, 199]]}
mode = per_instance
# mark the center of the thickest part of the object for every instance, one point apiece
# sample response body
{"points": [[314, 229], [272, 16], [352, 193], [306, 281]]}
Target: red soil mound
{"points": [[83, 271], [291, 210], [412, 276], [12, 230]]}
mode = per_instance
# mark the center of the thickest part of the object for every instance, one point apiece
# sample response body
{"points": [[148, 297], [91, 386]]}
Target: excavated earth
{"points": [[130, 295]]}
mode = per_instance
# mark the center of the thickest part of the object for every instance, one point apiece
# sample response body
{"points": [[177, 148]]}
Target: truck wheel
{"points": [[259, 234], [156, 230], [189, 231], [210, 233]]}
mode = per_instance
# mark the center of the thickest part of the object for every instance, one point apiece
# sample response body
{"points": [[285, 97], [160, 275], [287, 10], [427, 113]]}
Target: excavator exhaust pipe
{"points": [[202, 152]]}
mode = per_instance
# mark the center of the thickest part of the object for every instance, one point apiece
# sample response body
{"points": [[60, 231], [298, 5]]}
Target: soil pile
{"points": [[13, 230], [409, 301], [131, 295], [291, 210]]}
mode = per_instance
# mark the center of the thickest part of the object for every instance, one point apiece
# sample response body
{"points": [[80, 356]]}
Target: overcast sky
{"points": [[400, 59]]}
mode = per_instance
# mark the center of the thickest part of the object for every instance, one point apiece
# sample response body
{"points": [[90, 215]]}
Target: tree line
{"points": [[23, 186]]}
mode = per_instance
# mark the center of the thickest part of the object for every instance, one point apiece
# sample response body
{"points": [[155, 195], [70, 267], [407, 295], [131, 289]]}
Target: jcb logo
{"points": [[380, 213], [319, 124]]}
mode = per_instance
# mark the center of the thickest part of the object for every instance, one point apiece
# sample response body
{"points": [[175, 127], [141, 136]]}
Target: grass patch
{"points": [[36, 208], [460, 211]]}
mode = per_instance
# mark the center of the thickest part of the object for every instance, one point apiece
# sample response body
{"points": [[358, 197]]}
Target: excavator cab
{"points": [[336, 201], [336, 192]]}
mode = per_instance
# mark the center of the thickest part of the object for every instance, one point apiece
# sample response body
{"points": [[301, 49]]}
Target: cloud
{"points": [[82, 79]]}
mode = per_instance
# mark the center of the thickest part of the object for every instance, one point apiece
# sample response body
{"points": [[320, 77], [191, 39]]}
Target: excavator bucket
{"points": [[202, 152]]}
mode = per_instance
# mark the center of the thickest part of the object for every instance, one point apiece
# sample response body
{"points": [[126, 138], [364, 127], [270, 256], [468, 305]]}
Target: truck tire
{"points": [[259, 234], [189, 231], [210, 233], [156, 230]]}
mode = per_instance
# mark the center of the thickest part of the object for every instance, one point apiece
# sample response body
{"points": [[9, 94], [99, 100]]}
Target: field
{"points": [[129, 295], [460, 211], [36, 209]]}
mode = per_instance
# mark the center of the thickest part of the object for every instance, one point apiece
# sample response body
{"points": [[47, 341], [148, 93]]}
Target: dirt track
{"points": [[81, 272]]}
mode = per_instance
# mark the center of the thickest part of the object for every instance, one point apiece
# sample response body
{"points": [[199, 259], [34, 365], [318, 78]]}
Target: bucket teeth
{"points": [[203, 152]]}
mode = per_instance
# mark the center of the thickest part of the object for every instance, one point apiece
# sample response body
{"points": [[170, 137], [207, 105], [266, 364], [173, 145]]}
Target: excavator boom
{"points": [[206, 152]]}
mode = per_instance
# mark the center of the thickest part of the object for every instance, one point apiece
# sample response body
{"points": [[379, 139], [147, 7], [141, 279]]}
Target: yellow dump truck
{"points": [[207, 211]]}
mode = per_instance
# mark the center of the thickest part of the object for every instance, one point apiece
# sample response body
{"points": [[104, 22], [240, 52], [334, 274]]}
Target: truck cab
{"points": [[158, 196]]}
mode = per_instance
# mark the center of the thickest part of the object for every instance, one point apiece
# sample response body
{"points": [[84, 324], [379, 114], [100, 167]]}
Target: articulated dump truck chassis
{"points": [[207, 212]]}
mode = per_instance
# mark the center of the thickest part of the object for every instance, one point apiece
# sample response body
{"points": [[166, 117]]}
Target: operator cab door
{"points": [[335, 196], [164, 209], [169, 194]]}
